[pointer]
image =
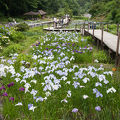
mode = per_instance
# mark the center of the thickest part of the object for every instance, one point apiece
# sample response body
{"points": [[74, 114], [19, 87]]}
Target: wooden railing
{"points": [[104, 27]]}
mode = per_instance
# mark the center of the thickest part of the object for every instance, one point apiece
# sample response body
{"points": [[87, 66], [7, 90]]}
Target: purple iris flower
{"points": [[37, 45], [80, 52], [46, 48], [91, 48], [75, 110], [57, 47], [5, 94], [2, 88], [10, 84], [98, 94], [21, 89], [11, 99], [98, 108], [29, 106]]}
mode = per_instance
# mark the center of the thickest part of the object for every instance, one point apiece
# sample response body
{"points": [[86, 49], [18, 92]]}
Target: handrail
{"points": [[104, 27]]}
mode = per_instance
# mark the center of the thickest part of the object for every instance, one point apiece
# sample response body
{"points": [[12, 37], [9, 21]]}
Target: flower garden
{"points": [[58, 80]]}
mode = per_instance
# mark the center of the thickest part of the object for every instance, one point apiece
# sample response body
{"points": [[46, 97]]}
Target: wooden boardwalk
{"points": [[61, 29], [110, 40], [39, 23]]}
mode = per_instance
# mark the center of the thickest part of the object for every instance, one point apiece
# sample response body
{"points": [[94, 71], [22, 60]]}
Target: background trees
{"points": [[19, 7], [107, 8], [110, 9]]}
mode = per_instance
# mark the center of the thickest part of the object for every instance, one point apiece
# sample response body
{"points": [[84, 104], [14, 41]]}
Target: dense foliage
{"points": [[104, 9], [16, 8], [109, 9]]}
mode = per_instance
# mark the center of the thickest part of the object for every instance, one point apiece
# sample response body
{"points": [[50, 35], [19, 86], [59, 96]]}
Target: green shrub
{"points": [[17, 37], [83, 57], [4, 40], [89, 40], [23, 57], [80, 17], [10, 19], [15, 48], [22, 27], [101, 56], [4, 36], [18, 19], [4, 30]]}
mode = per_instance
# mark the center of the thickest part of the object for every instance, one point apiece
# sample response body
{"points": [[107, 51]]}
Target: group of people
{"points": [[61, 21]]}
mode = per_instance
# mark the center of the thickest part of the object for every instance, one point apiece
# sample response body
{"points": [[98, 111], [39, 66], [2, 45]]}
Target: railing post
{"points": [[118, 41], [93, 28], [117, 49], [107, 27], [102, 29], [80, 27], [88, 26], [84, 28], [117, 29], [75, 27]]}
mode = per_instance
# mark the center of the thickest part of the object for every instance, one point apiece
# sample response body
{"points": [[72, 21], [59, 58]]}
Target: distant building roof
{"points": [[31, 13], [41, 12]]}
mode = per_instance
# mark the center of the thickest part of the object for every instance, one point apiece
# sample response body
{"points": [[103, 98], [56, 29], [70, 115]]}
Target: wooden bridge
{"points": [[105, 39], [61, 29]]}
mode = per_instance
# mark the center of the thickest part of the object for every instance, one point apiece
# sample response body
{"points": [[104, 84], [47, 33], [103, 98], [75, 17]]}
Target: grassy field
{"points": [[58, 76]]}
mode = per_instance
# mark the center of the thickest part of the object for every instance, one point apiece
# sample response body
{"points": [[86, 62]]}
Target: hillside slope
{"points": [[108, 9]]}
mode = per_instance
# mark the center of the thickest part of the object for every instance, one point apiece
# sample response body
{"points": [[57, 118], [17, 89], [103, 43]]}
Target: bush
{"points": [[101, 56], [22, 27], [80, 17], [4, 36], [17, 37], [18, 19], [83, 57], [4, 40], [4, 30], [15, 48], [10, 19]]}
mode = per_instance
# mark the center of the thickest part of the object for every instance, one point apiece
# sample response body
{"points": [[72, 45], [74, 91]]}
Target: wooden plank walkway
{"points": [[39, 23], [61, 29], [110, 40]]}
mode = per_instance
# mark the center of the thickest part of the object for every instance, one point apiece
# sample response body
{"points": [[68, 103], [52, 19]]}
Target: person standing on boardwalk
{"points": [[62, 21], [55, 22]]}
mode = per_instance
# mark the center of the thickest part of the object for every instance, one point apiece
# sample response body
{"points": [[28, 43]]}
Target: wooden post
{"points": [[107, 27], [80, 28], [75, 27], [118, 41], [117, 29], [83, 28], [102, 29], [117, 50], [88, 26], [97, 44], [93, 28]]}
